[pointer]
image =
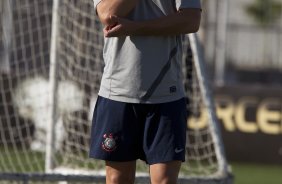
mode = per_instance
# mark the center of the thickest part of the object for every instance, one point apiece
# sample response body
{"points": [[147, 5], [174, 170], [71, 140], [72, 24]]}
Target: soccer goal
{"points": [[52, 54]]}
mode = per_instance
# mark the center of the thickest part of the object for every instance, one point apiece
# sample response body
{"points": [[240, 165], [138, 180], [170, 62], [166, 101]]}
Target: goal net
{"points": [[51, 66]]}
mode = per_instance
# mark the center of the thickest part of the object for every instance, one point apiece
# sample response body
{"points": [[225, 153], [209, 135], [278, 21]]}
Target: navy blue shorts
{"points": [[155, 133]]}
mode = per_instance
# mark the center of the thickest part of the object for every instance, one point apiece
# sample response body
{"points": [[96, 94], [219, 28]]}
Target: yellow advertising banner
{"points": [[251, 122]]}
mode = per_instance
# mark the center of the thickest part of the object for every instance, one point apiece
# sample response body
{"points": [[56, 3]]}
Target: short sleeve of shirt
{"points": [[96, 2], [180, 4]]}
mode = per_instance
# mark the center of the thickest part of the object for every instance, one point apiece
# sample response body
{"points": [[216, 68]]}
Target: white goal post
{"points": [[48, 95]]}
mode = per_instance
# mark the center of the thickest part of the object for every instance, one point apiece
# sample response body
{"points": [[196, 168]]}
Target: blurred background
{"points": [[242, 42], [244, 55]]}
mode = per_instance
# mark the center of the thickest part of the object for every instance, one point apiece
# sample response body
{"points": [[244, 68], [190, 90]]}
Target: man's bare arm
{"points": [[182, 22], [120, 8]]}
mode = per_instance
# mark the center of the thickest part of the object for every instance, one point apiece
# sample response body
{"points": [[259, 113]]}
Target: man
{"points": [[141, 112]]}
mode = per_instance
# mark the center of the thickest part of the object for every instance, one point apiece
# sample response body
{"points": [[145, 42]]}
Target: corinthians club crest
{"points": [[109, 144]]}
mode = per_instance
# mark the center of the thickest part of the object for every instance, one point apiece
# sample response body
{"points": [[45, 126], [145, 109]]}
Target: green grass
{"points": [[31, 161], [243, 173], [19, 160], [256, 173]]}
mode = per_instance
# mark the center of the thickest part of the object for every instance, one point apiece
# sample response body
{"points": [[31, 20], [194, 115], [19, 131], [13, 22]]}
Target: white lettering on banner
{"points": [[198, 122], [233, 115], [266, 117], [225, 110], [240, 115]]}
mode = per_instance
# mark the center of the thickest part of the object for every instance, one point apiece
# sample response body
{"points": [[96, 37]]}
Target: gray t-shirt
{"points": [[145, 69]]}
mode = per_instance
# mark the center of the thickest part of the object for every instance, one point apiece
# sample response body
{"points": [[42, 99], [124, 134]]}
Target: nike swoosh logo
{"points": [[178, 150]]}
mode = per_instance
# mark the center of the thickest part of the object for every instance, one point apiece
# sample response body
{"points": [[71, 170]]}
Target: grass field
{"points": [[256, 173], [244, 173]]}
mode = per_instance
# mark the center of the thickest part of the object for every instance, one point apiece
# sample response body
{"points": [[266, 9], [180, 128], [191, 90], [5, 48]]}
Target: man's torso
{"points": [[143, 69]]}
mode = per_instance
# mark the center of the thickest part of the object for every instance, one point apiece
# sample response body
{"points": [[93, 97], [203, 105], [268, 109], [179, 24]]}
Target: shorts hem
{"points": [[156, 161], [112, 159]]}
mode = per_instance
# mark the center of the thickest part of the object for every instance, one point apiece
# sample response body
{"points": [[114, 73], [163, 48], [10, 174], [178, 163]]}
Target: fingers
{"points": [[118, 27], [114, 31], [114, 20]]}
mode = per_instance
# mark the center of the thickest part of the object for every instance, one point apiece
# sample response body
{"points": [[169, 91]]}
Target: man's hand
{"points": [[120, 8], [119, 27], [182, 22]]}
